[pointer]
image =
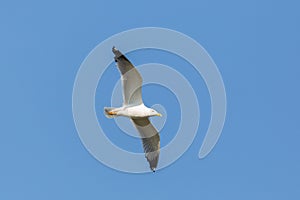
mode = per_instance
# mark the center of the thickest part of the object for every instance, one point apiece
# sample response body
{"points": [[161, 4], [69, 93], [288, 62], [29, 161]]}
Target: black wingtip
{"points": [[116, 52], [153, 169]]}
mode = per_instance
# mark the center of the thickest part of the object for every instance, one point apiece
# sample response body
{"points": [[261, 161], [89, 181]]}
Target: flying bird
{"points": [[134, 108]]}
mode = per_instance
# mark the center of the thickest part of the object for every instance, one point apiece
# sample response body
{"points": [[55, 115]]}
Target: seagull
{"points": [[134, 108]]}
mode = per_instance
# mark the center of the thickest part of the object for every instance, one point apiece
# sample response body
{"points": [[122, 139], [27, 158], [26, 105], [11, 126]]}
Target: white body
{"points": [[135, 111]]}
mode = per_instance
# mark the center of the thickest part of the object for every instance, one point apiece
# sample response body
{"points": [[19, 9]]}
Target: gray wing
{"points": [[150, 139], [131, 80]]}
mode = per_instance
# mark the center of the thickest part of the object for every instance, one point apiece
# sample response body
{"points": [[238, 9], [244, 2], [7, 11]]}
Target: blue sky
{"points": [[255, 45]]}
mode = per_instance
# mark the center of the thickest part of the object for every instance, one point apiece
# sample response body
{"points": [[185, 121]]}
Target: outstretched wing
{"points": [[150, 139], [131, 80]]}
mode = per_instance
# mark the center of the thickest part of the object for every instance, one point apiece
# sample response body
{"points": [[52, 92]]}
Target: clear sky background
{"points": [[256, 46]]}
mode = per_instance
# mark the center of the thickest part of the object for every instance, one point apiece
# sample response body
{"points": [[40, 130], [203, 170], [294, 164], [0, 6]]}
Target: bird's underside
{"points": [[134, 108]]}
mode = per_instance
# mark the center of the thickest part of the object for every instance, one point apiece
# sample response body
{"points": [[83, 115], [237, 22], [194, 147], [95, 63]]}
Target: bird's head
{"points": [[153, 112]]}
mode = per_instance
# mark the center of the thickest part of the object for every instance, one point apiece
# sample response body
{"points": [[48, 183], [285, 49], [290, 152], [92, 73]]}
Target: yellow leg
{"points": [[112, 113]]}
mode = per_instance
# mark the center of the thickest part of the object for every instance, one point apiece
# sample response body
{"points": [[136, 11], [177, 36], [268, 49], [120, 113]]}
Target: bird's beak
{"points": [[158, 114]]}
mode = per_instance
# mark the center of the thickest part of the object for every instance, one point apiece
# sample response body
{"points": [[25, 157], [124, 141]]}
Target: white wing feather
{"points": [[131, 80], [150, 139]]}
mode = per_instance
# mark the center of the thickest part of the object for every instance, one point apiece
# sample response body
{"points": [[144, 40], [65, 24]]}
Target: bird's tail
{"points": [[109, 112]]}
